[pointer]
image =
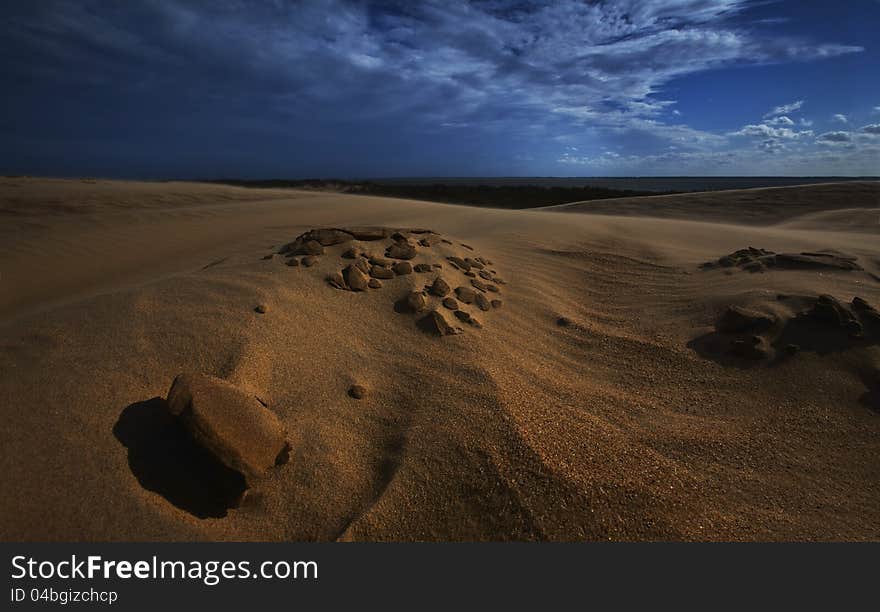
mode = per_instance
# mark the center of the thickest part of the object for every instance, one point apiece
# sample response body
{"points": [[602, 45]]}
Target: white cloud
{"points": [[781, 120], [840, 118], [785, 109], [873, 128], [834, 137]]}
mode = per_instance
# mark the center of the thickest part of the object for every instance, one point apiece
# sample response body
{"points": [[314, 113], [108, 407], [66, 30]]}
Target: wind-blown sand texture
{"points": [[630, 383]]}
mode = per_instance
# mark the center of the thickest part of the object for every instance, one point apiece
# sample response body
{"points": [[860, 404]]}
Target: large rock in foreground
{"points": [[230, 423]]}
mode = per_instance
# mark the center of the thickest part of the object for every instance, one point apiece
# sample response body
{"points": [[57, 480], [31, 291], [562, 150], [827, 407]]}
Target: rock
{"points": [[861, 305], [467, 246], [467, 318], [367, 234], [564, 322], [230, 423], [812, 261], [401, 250], [479, 285], [459, 263], [362, 265], [374, 283], [485, 274], [352, 253], [336, 280], [465, 294], [357, 391], [497, 303], [435, 323], [736, 320], [450, 303], [792, 349], [261, 309], [309, 261], [726, 261], [829, 311], [754, 348], [482, 302], [381, 272], [355, 278], [416, 301], [269, 256], [402, 268], [293, 261], [399, 237], [471, 274], [423, 267], [473, 263], [312, 247], [492, 288], [381, 261], [754, 266], [439, 287]]}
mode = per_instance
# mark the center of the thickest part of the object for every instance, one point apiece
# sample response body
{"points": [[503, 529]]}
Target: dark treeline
{"points": [[496, 196]]}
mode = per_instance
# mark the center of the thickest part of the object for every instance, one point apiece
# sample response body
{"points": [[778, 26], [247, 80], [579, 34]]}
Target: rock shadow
{"points": [[166, 460]]}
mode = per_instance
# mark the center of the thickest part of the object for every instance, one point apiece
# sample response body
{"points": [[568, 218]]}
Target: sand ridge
{"points": [[607, 426]]}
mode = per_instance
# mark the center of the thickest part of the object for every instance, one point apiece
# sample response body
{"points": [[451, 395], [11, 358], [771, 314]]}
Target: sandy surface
{"points": [[613, 424]]}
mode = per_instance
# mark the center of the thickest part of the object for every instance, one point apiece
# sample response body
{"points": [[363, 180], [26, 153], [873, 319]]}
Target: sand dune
{"points": [[601, 399]]}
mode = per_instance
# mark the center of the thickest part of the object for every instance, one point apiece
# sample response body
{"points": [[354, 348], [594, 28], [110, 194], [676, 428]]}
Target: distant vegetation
{"points": [[494, 196]]}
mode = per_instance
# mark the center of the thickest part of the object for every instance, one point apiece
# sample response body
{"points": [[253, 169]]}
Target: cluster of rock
{"points": [[367, 270], [760, 260], [822, 321]]}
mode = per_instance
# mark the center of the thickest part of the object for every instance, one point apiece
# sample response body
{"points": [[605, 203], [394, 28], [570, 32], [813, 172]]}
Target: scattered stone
{"points": [[362, 265], [357, 391], [459, 263], [355, 278], [402, 268], [401, 250], [269, 256], [470, 274], [465, 294], [466, 317], [416, 301], [312, 247], [485, 274], [439, 287], [497, 303], [293, 261], [493, 288], [736, 320], [309, 261], [260, 309], [473, 263], [564, 322], [230, 423], [450, 303], [374, 283], [423, 267], [336, 280], [482, 302], [479, 285], [467, 246], [381, 272], [435, 323]]}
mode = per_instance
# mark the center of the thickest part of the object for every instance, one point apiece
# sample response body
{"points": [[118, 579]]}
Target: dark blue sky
{"points": [[225, 88]]}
